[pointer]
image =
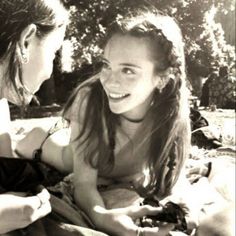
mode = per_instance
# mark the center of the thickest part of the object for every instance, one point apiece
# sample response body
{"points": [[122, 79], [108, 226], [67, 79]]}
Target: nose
{"points": [[113, 80]]}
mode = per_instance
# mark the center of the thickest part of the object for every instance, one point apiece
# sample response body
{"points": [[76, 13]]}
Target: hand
{"points": [[191, 211], [141, 211], [124, 218], [32, 141], [197, 170], [17, 212]]}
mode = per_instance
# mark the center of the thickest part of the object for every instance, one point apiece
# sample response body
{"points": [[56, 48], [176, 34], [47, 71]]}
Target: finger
{"points": [[145, 210], [165, 228], [194, 170], [19, 194], [42, 211], [43, 195], [38, 200], [34, 202], [158, 231], [194, 178], [198, 170]]}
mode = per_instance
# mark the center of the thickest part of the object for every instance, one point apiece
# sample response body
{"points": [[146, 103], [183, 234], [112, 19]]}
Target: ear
{"points": [[26, 37], [160, 81]]}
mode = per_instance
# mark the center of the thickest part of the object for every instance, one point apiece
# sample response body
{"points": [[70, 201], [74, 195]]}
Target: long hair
{"points": [[170, 132], [15, 16]]}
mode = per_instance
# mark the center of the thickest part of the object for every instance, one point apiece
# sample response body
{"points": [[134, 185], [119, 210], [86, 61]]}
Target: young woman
{"points": [[31, 32], [130, 123]]}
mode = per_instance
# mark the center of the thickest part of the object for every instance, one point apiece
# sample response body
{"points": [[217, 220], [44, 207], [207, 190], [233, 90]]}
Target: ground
{"points": [[224, 120], [219, 117], [223, 181]]}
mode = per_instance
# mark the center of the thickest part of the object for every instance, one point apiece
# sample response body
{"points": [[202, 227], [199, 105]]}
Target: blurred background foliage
{"points": [[208, 28]]}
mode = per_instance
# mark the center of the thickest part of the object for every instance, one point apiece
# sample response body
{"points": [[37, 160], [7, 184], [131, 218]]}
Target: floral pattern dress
{"points": [[222, 92]]}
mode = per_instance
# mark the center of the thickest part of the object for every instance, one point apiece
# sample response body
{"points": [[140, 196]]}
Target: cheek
{"points": [[103, 82], [143, 89], [47, 64], [103, 78], [48, 68], [105, 75], [41, 72], [137, 84]]}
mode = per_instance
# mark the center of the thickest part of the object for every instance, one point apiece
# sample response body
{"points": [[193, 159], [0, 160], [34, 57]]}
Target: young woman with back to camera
{"points": [[31, 31]]}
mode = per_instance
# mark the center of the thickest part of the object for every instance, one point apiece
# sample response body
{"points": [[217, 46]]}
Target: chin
{"points": [[117, 109]]}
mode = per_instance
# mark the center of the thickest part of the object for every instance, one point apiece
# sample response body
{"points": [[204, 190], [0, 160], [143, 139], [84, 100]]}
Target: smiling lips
{"points": [[117, 96]]}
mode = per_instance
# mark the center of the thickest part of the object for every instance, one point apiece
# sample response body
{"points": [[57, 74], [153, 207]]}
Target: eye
{"points": [[105, 66], [128, 71]]}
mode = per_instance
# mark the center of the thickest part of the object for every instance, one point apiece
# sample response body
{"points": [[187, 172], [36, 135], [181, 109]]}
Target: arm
{"points": [[113, 221], [55, 150], [86, 194], [17, 212], [5, 145]]}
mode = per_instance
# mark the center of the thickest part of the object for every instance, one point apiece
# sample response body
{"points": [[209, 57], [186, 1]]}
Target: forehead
{"points": [[129, 48]]}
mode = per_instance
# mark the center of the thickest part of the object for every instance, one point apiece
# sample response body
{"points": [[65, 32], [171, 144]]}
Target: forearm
{"points": [[109, 221], [88, 199], [5, 128]]}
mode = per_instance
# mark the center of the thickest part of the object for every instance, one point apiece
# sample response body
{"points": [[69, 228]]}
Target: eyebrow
{"points": [[131, 65], [123, 64]]}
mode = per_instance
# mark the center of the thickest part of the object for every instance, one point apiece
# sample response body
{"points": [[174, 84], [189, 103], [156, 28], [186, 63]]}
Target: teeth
{"points": [[115, 95]]}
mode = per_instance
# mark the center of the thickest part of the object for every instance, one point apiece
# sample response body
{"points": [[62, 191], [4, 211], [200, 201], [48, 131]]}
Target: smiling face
{"points": [[128, 75]]}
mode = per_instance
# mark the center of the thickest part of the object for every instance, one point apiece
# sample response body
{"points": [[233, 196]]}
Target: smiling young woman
{"points": [[130, 123]]}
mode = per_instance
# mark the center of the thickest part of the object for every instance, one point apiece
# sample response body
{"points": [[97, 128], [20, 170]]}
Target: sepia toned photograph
{"points": [[117, 118]]}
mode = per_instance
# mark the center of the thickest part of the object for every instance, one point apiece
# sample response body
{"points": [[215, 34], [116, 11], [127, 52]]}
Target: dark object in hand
{"points": [[171, 213]]}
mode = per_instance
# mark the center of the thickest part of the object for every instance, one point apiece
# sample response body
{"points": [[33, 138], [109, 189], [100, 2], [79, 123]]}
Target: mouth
{"points": [[117, 96]]}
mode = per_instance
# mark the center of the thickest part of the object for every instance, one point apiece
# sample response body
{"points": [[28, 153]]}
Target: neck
{"points": [[139, 113], [8, 91], [137, 121]]}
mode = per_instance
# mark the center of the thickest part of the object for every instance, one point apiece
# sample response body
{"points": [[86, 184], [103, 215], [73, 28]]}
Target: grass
{"points": [[224, 120]]}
